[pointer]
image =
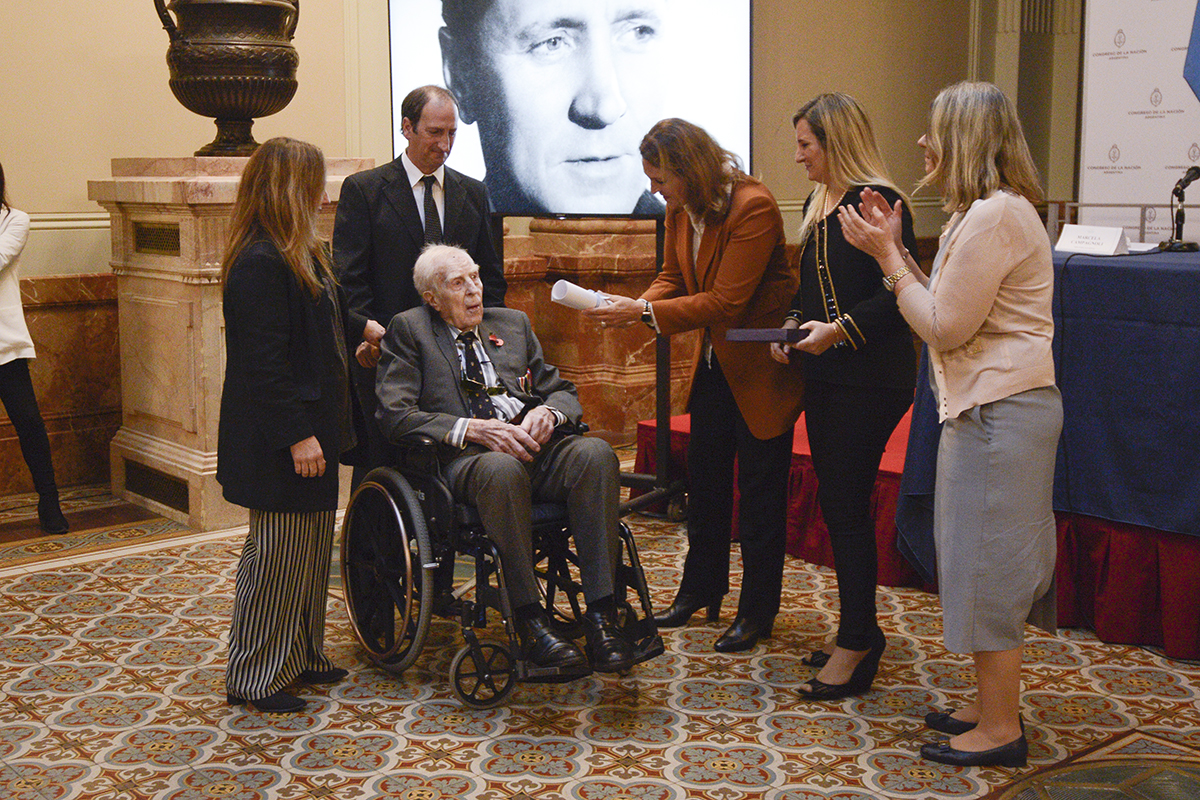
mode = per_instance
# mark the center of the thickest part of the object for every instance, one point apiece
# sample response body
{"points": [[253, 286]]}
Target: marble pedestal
{"points": [[170, 223]]}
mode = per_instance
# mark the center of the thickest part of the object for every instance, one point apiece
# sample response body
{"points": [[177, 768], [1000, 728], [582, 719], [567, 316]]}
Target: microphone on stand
{"points": [[1176, 244], [1186, 181]]}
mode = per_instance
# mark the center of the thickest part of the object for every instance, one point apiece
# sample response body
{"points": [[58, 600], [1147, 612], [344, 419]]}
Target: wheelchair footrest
{"points": [[646, 649], [529, 673], [643, 635]]}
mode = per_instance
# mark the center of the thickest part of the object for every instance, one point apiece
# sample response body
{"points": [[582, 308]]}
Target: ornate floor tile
{"points": [[112, 687], [45, 780], [400, 785], [739, 767], [613, 789], [906, 775]]}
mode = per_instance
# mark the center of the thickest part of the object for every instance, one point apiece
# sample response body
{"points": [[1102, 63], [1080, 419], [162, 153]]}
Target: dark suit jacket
{"points": [[739, 279], [377, 236], [419, 378], [284, 382], [883, 354]]}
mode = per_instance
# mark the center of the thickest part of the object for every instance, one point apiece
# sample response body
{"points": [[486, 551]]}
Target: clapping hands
{"points": [[874, 227]]}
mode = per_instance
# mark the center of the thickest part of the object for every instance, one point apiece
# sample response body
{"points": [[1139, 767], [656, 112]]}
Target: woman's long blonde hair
{"points": [[978, 146], [707, 169], [844, 133], [278, 197]]}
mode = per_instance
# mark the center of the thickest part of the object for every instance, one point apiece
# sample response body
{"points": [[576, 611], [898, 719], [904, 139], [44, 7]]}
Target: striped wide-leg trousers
{"points": [[278, 626]]}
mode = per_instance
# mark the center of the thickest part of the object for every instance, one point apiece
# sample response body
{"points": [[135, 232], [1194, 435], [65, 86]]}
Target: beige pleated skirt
{"points": [[994, 520]]}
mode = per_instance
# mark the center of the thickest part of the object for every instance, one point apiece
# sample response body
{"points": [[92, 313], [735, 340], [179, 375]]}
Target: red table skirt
{"points": [[1131, 585]]}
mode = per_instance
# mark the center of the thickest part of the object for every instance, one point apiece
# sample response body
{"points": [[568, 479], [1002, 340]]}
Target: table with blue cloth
{"points": [[1127, 485]]}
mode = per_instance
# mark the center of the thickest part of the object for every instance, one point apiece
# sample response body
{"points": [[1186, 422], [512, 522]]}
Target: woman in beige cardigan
{"points": [[985, 314]]}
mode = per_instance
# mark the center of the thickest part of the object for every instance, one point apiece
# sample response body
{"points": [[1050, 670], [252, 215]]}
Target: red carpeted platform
{"points": [[807, 537], [1131, 585]]}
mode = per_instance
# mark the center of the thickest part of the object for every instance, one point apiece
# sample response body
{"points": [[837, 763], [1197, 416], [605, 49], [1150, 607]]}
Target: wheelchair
{"points": [[401, 538]]}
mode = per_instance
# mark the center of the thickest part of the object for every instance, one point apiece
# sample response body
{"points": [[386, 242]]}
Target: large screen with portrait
{"points": [[555, 95]]}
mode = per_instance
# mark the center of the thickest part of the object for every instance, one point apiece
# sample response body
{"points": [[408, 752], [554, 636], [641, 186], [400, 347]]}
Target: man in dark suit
{"points": [[386, 215], [474, 380]]}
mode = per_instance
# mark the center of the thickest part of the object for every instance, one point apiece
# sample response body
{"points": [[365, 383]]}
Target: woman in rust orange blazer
{"points": [[724, 267]]}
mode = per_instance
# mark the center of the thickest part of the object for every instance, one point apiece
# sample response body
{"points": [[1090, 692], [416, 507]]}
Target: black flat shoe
{"points": [[743, 634], [683, 607], [279, 703], [332, 675], [817, 658], [1013, 754], [942, 722], [860, 680], [607, 648]]}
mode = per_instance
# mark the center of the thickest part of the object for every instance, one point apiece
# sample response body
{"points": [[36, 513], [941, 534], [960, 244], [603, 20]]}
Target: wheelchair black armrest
{"points": [[418, 452]]}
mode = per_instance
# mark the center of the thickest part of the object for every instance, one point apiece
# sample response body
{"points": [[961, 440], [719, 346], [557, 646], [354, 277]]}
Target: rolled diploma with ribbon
{"points": [[574, 296]]}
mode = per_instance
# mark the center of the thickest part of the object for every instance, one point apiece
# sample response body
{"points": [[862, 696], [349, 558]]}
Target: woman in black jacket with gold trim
{"points": [[285, 420], [859, 374]]}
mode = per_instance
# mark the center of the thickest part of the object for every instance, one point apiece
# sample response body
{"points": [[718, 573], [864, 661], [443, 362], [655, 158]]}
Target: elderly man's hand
{"points": [[503, 438], [539, 423]]}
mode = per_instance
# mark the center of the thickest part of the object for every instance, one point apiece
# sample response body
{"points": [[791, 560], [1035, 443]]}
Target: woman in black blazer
{"points": [[859, 374], [285, 420]]}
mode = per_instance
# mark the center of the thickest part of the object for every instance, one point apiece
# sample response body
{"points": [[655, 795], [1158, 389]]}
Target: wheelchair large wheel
{"points": [[483, 675], [387, 569]]}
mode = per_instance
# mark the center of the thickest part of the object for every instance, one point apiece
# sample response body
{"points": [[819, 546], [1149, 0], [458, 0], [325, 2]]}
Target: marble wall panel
{"points": [[156, 358], [76, 376], [614, 370]]}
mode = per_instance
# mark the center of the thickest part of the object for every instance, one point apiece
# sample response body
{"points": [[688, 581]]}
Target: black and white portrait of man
{"points": [[560, 92]]}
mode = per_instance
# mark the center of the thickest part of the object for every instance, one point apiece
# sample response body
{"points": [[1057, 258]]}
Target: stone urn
{"points": [[232, 60]]}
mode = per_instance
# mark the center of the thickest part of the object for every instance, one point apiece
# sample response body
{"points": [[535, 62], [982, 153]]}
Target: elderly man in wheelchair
{"points": [[503, 424]]}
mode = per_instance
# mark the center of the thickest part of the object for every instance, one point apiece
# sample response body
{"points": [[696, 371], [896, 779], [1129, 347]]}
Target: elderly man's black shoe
{"points": [[546, 647], [1013, 754], [743, 634], [607, 648]]}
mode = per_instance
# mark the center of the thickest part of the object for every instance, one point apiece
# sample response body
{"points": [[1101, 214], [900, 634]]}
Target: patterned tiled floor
{"points": [[111, 688]]}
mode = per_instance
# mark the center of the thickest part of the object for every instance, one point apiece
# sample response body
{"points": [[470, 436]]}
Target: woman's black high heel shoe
{"points": [[817, 658], [683, 607], [744, 634], [860, 680]]}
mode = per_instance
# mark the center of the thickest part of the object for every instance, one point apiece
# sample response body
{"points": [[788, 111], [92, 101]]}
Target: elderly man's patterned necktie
{"points": [[473, 383]]}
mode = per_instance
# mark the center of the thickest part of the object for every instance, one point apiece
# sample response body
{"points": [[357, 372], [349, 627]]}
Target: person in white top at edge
{"points": [[16, 349]]}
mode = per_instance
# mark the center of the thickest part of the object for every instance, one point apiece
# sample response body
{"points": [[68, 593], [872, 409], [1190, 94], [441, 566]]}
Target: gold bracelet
{"points": [[890, 281]]}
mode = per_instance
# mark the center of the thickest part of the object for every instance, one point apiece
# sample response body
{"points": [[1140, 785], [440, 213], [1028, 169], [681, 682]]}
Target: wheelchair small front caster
{"points": [[482, 675]]}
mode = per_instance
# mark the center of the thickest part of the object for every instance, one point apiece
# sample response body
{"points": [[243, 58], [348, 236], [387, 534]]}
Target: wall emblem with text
{"points": [[1114, 154], [1119, 39]]}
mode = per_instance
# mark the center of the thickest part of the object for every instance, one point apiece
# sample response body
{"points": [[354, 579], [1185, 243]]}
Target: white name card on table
{"points": [[1092, 240]]}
